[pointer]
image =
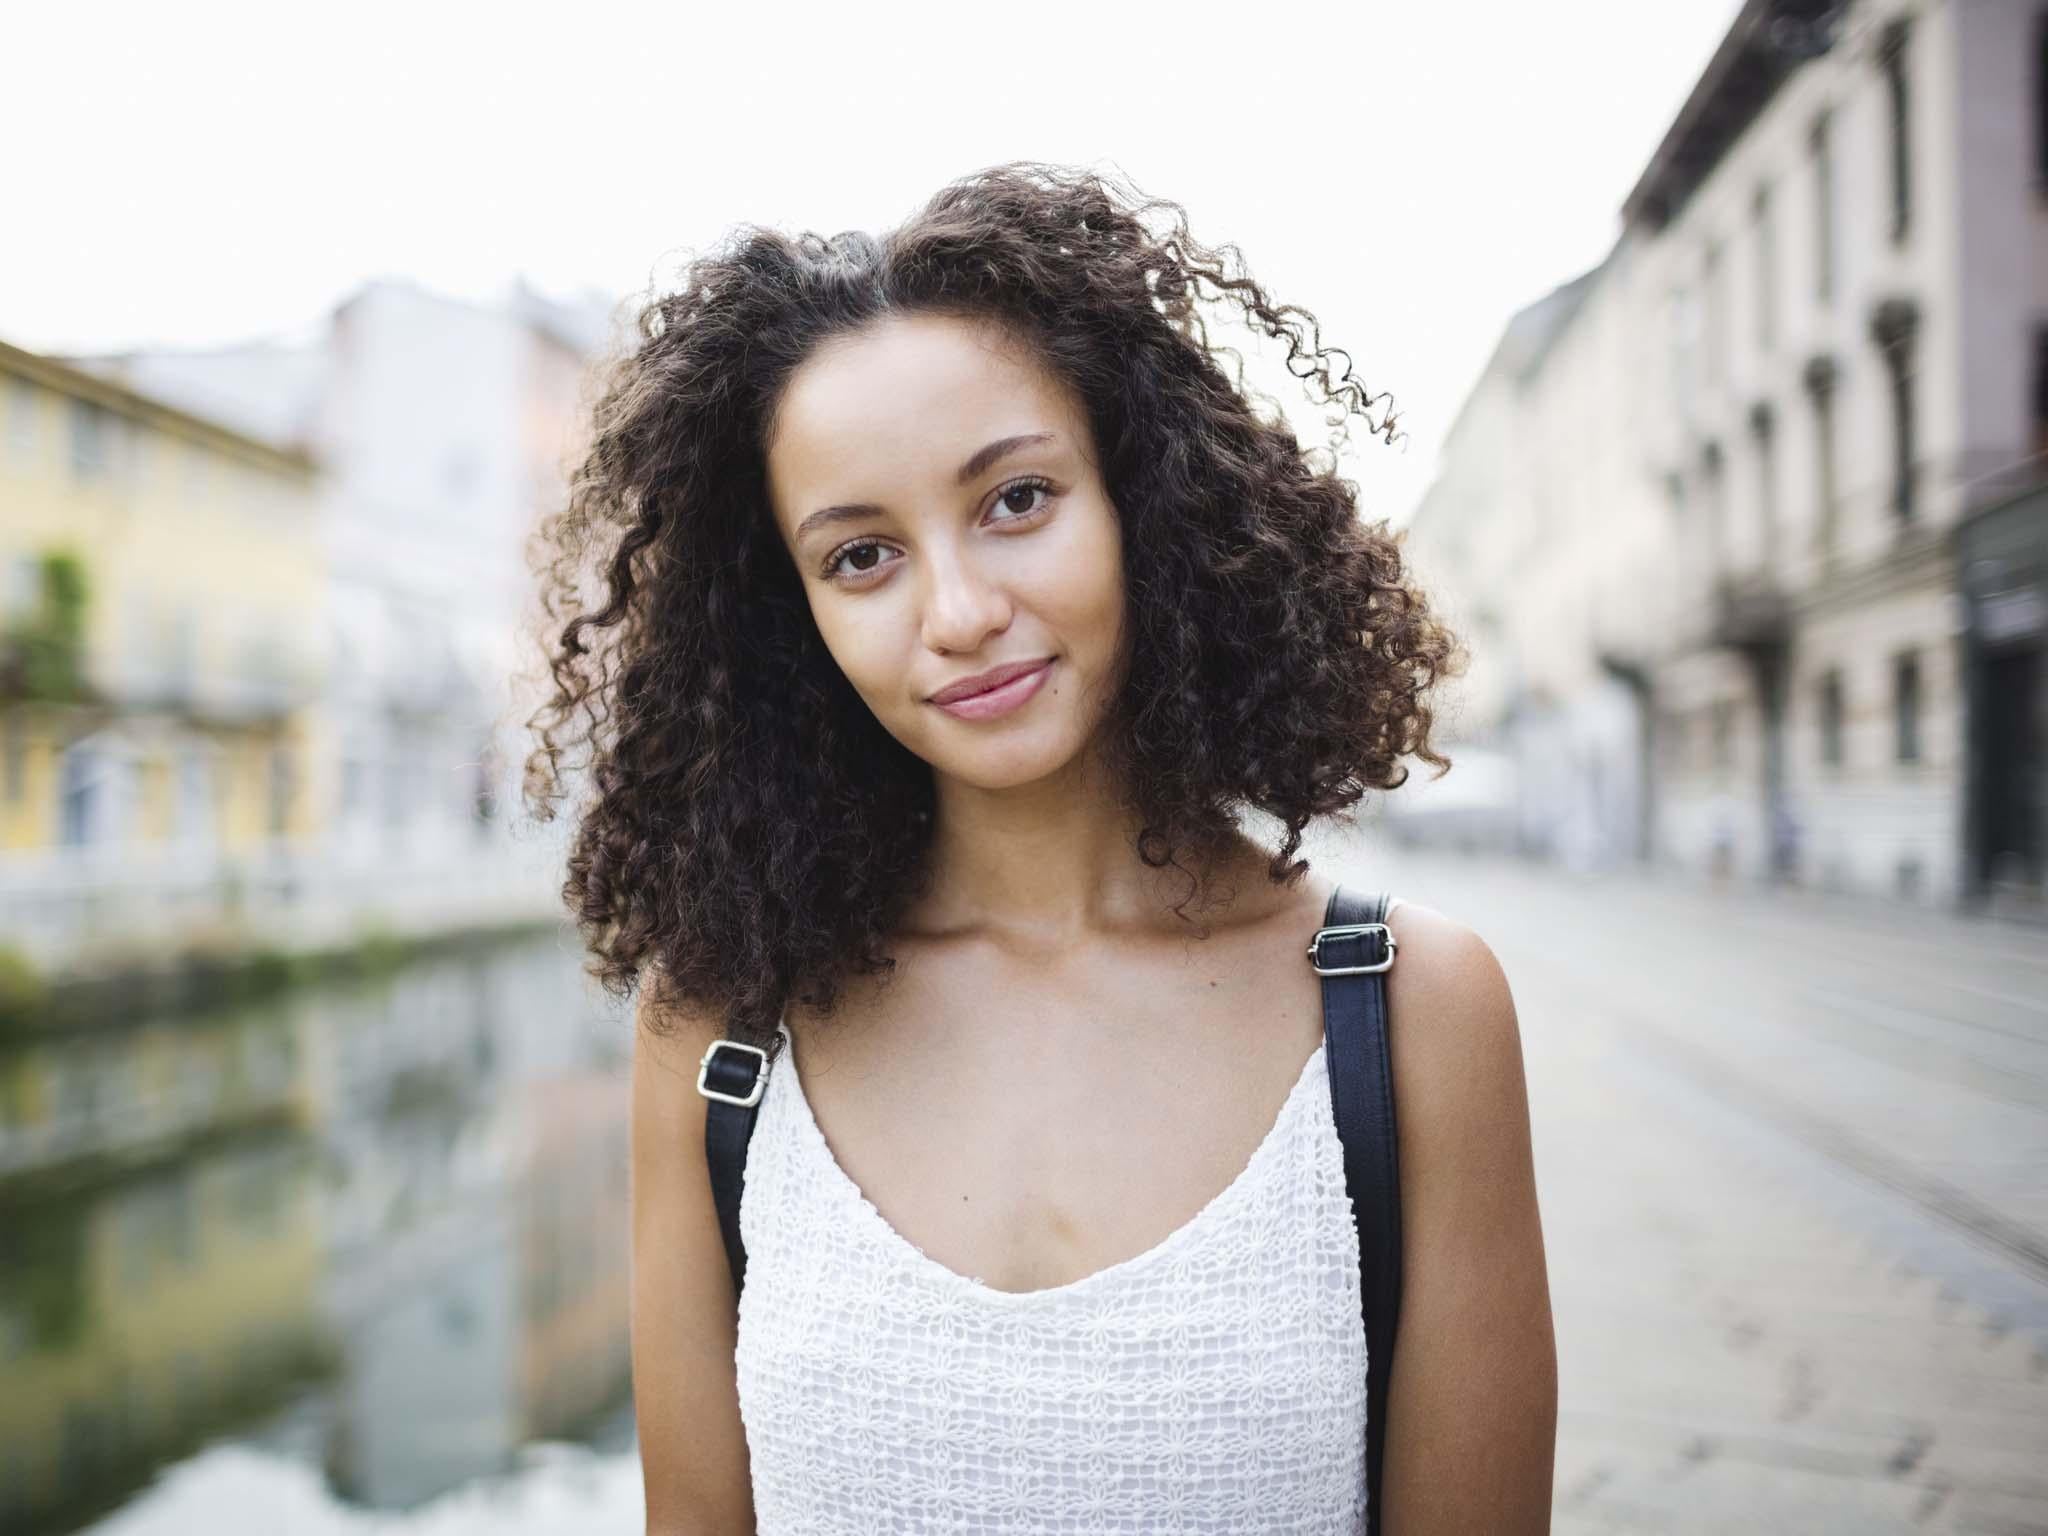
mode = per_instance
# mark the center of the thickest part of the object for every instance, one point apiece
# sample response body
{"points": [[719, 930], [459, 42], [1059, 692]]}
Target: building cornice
{"points": [[1767, 42], [80, 384]]}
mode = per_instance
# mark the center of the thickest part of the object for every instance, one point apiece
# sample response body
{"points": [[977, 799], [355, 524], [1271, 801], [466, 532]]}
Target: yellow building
{"points": [[163, 624]]}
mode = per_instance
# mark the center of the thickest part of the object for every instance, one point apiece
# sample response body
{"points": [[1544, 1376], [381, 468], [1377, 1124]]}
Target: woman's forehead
{"points": [[906, 396], [905, 367]]}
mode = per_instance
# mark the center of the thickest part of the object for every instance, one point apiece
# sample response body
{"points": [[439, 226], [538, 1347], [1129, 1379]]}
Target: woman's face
{"points": [[937, 489]]}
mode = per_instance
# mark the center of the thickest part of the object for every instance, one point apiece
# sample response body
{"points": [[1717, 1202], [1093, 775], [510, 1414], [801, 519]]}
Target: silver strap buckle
{"points": [[760, 1074], [1345, 931]]}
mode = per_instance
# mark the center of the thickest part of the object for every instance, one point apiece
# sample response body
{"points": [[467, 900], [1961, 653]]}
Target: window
{"points": [[13, 756], [1892, 58], [1683, 534], [1714, 319], [1906, 706], [396, 802], [21, 421], [181, 651], [2041, 99], [1902, 442], [79, 798], [1831, 711], [21, 586], [1763, 434], [141, 635], [195, 798], [1685, 335], [1713, 494], [280, 790], [354, 786], [92, 433], [1820, 389], [1821, 144], [2041, 391], [1674, 496], [1895, 327], [1766, 270]]}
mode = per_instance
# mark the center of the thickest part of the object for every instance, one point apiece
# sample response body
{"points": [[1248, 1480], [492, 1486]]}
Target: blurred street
{"points": [[1791, 1152]]}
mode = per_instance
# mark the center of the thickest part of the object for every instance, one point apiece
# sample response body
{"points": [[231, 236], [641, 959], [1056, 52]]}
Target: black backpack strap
{"points": [[1352, 951], [732, 1076]]}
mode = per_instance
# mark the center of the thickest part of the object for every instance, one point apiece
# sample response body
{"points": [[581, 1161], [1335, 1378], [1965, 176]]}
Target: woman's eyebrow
{"points": [[982, 459], [998, 449], [824, 516]]}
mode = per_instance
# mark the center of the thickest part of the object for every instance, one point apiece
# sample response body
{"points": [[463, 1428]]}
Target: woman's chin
{"points": [[1006, 766]]}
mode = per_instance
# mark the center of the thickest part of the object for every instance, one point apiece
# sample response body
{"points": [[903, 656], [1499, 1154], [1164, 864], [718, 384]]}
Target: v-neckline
{"points": [[851, 1194]]}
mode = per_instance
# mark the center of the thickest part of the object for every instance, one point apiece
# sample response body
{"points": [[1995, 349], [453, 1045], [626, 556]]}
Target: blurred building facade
{"points": [[162, 654], [1746, 524], [444, 426], [340, 646]]}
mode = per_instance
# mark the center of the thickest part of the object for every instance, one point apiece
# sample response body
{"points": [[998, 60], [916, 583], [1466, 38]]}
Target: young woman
{"points": [[933, 607]]}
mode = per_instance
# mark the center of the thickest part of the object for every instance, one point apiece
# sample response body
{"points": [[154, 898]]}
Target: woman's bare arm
{"points": [[1472, 1416], [693, 1448]]}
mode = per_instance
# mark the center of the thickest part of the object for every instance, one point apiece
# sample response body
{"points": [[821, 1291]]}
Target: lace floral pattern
{"points": [[1214, 1383]]}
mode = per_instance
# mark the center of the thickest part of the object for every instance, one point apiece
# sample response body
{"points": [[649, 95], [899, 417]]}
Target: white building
{"points": [[445, 428], [1738, 483]]}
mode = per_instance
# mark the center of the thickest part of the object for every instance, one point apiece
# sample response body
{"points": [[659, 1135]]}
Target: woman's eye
{"points": [[857, 559], [1018, 498]]}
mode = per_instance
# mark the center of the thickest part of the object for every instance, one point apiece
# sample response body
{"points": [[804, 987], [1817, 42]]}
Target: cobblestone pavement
{"points": [[1793, 1160]]}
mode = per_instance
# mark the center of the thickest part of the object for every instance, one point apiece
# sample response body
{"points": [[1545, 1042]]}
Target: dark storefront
{"points": [[2002, 568]]}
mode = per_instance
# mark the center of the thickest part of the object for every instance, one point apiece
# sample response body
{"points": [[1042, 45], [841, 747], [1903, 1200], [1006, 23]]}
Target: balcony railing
{"points": [[1749, 612], [244, 698]]}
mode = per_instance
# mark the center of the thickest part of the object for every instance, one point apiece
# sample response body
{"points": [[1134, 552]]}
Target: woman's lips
{"points": [[1000, 700]]}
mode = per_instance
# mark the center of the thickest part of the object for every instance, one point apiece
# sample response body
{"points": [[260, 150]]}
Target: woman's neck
{"points": [[1053, 863]]}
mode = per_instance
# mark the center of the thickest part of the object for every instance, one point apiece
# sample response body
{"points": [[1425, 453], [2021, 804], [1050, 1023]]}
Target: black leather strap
{"points": [[727, 1130], [1358, 1053]]}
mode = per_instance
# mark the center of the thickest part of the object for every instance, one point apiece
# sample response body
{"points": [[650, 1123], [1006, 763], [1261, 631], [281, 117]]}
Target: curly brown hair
{"points": [[749, 831]]}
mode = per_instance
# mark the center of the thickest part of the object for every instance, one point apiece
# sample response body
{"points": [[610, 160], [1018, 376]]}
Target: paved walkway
{"points": [[1793, 1159]]}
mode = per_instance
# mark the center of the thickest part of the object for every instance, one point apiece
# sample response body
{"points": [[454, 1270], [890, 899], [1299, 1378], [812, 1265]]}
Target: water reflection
{"points": [[378, 1227]]}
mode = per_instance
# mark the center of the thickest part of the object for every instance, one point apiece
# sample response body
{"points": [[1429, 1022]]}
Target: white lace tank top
{"points": [[1213, 1383]]}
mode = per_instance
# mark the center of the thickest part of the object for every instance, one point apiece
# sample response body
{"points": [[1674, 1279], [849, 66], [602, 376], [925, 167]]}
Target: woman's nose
{"points": [[962, 607]]}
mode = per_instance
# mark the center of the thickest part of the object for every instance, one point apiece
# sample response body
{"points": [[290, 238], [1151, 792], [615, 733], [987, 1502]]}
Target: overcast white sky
{"points": [[195, 173]]}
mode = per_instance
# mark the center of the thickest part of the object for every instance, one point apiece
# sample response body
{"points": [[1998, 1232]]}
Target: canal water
{"points": [[350, 1258]]}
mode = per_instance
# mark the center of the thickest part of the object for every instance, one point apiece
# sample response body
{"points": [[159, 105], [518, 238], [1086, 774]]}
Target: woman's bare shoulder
{"points": [[1459, 1081], [1447, 980]]}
